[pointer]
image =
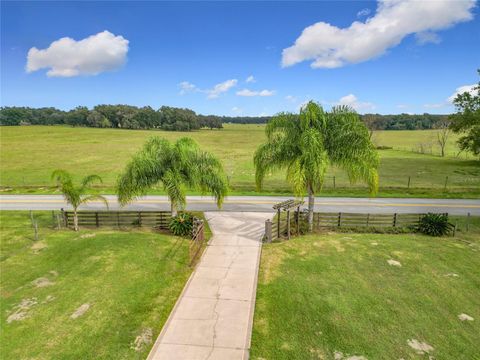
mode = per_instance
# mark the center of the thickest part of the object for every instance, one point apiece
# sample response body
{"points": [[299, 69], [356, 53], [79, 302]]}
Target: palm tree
{"points": [[75, 195], [178, 167], [306, 144]]}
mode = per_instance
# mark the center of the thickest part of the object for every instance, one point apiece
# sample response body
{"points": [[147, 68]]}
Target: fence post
{"points": [[467, 225], [395, 220], [96, 219], [32, 220], [59, 223], [339, 219], [278, 224], [140, 218], [368, 219], [455, 229], [268, 231], [288, 224], [35, 229], [408, 185], [64, 216], [297, 220], [446, 181], [334, 182], [118, 219]]}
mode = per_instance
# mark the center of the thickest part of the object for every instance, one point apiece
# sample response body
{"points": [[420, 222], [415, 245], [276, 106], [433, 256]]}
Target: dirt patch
{"points": [[48, 299], [420, 347], [317, 353], [392, 262], [143, 339], [53, 273], [374, 243], [452, 275], [42, 282], [338, 355], [86, 236], [271, 263], [20, 311], [80, 311], [465, 317], [38, 246], [338, 245]]}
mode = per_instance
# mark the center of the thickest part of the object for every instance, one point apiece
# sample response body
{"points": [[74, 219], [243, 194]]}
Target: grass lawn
{"points": [[129, 279], [29, 155], [332, 292]]}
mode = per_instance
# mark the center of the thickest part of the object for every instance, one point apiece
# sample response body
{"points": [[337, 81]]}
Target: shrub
{"points": [[434, 225], [383, 147], [182, 224]]}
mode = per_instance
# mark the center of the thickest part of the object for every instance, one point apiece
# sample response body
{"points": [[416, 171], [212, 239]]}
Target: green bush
{"points": [[434, 225], [182, 224]]}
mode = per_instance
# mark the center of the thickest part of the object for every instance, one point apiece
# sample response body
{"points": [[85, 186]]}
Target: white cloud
{"points": [[427, 37], [291, 98], [364, 12], [213, 93], [67, 57], [352, 101], [460, 90], [250, 79], [435, 106], [330, 46], [247, 92], [236, 110], [221, 88], [448, 102], [186, 87]]}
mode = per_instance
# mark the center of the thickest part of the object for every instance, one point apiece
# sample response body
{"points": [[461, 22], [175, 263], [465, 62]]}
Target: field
{"points": [[126, 281], [29, 154], [332, 295]]}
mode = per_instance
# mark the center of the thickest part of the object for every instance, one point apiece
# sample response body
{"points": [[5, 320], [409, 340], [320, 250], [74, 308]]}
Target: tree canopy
{"points": [[306, 144], [467, 120], [178, 167]]}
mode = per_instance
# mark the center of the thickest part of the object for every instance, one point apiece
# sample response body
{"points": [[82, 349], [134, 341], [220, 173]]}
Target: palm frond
{"points": [[89, 198]]}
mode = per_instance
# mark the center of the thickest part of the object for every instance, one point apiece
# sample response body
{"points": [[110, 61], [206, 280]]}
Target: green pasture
{"points": [[336, 296], [129, 280], [30, 153]]}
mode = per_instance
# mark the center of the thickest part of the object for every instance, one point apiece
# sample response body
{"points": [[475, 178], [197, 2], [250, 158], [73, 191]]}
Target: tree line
{"points": [[179, 119], [112, 116]]}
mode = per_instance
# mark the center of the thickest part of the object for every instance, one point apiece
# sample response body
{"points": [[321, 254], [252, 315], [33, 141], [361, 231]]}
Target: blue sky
{"points": [[151, 48]]}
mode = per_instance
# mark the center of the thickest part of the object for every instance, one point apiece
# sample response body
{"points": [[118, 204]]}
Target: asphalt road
{"points": [[255, 203]]}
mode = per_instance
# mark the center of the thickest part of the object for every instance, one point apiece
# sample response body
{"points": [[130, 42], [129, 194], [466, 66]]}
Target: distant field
{"points": [[29, 154]]}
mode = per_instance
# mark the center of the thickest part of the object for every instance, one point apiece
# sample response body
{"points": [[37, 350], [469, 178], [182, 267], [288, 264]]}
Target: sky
{"points": [[240, 58]]}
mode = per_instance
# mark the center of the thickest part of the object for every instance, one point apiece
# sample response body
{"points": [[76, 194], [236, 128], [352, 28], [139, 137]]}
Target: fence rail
{"points": [[364, 220], [198, 240], [159, 219], [279, 227]]}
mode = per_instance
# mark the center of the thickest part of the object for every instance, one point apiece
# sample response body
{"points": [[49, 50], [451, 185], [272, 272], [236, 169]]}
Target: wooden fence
{"points": [[275, 229], [364, 220], [159, 219], [198, 240]]}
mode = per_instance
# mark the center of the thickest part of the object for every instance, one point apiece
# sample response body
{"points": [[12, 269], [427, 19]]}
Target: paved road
{"points": [[255, 203]]}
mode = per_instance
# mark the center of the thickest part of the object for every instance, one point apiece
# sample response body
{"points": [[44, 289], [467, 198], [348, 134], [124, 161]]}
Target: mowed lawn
{"points": [[30, 153], [121, 285], [333, 293]]}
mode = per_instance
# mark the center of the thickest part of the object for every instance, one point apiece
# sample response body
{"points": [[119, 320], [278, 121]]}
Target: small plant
{"points": [[434, 225], [182, 224]]}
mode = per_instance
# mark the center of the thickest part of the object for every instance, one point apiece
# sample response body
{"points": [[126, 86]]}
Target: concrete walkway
{"points": [[213, 317]]}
